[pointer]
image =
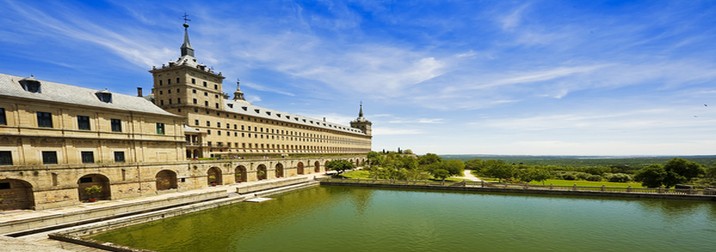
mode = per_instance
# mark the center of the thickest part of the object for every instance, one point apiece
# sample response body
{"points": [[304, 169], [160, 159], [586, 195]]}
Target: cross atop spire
{"points": [[186, 46]]}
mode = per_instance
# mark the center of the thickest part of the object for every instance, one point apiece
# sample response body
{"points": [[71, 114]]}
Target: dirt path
{"points": [[468, 176]]}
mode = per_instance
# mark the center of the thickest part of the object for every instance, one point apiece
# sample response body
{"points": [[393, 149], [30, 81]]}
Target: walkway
{"points": [[470, 177]]}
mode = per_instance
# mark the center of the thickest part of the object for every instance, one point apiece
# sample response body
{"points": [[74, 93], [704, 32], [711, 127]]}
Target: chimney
{"points": [[324, 119], [139, 91]]}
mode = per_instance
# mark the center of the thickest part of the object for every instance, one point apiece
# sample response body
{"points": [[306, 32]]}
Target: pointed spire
{"points": [[186, 46], [360, 113], [238, 95]]}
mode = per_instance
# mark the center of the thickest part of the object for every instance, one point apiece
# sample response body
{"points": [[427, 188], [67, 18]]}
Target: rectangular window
{"points": [[196, 122], [194, 100], [3, 121], [5, 158], [44, 119], [83, 122], [119, 156], [193, 81], [179, 100], [87, 157], [160, 128], [205, 84], [49, 157], [116, 125]]}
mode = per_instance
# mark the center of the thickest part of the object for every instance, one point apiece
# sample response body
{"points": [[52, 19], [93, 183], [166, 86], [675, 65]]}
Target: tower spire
{"points": [[238, 95], [186, 46], [360, 112]]}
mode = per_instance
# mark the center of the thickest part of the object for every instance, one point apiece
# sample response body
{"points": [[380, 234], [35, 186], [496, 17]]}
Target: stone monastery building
{"points": [[58, 139]]}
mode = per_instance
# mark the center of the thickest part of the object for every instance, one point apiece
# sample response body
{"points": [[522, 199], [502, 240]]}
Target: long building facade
{"points": [[57, 139]]}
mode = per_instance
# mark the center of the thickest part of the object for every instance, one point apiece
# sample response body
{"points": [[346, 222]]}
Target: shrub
{"points": [[594, 178], [569, 176], [618, 177], [582, 175]]}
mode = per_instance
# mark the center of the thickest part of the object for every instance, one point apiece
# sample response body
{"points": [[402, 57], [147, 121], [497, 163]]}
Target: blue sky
{"points": [[448, 77]]}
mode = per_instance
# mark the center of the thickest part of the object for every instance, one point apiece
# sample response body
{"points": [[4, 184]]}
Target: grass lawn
{"points": [[359, 174], [560, 182]]}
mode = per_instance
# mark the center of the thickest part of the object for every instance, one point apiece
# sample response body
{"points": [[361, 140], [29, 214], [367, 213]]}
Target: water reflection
{"points": [[365, 219]]}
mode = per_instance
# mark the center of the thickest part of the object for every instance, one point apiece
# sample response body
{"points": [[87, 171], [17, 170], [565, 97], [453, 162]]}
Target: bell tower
{"points": [[185, 85], [362, 123]]}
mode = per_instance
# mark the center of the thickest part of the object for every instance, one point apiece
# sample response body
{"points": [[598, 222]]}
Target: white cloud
{"points": [[259, 87]]}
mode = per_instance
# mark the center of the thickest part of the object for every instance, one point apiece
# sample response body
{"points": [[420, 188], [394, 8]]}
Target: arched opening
{"points": [[317, 166], [213, 176], [98, 182], [16, 194], [241, 174], [279, 170], [300, 168], [196, 154], [261, 172], [166, 180]]}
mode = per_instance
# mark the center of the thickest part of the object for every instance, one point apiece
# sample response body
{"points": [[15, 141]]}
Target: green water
{"points": [[361, 219]]}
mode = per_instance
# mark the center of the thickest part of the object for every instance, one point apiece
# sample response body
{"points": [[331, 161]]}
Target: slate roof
{"points": [[245, 108], [57, 92]]}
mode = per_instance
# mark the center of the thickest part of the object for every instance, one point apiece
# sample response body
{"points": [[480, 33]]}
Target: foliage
{"points": [[618, 177], [532, 174], [474, 164], [93, 190], [679, 170], [374, 158], [428, 159], [675, 171], [594, 178], [339, 165], [446, 168], [560, 182], [651, 176], [498, 169]]}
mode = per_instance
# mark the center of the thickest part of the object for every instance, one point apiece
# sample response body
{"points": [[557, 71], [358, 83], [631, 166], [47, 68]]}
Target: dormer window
{"points": [[31, 85], [230, 105], [257, 111], [244, 108], [104, 96]]}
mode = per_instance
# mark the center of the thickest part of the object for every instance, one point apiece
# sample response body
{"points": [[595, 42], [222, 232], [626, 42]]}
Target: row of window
{"points": [[178, 80], [279, 146], [44, 120], [50, 157]]}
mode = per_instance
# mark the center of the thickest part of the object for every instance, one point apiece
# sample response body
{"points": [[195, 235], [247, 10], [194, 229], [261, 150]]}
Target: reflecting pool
{"points": [[329, 218]]}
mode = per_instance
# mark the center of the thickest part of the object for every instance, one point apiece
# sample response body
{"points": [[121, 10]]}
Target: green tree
{"points": [[454, 167], [374, 158], [441, 174], [474, 164], [533, 174], [498, 169], [339, 165], [651, 176], [679, 170], [429, 158]]}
